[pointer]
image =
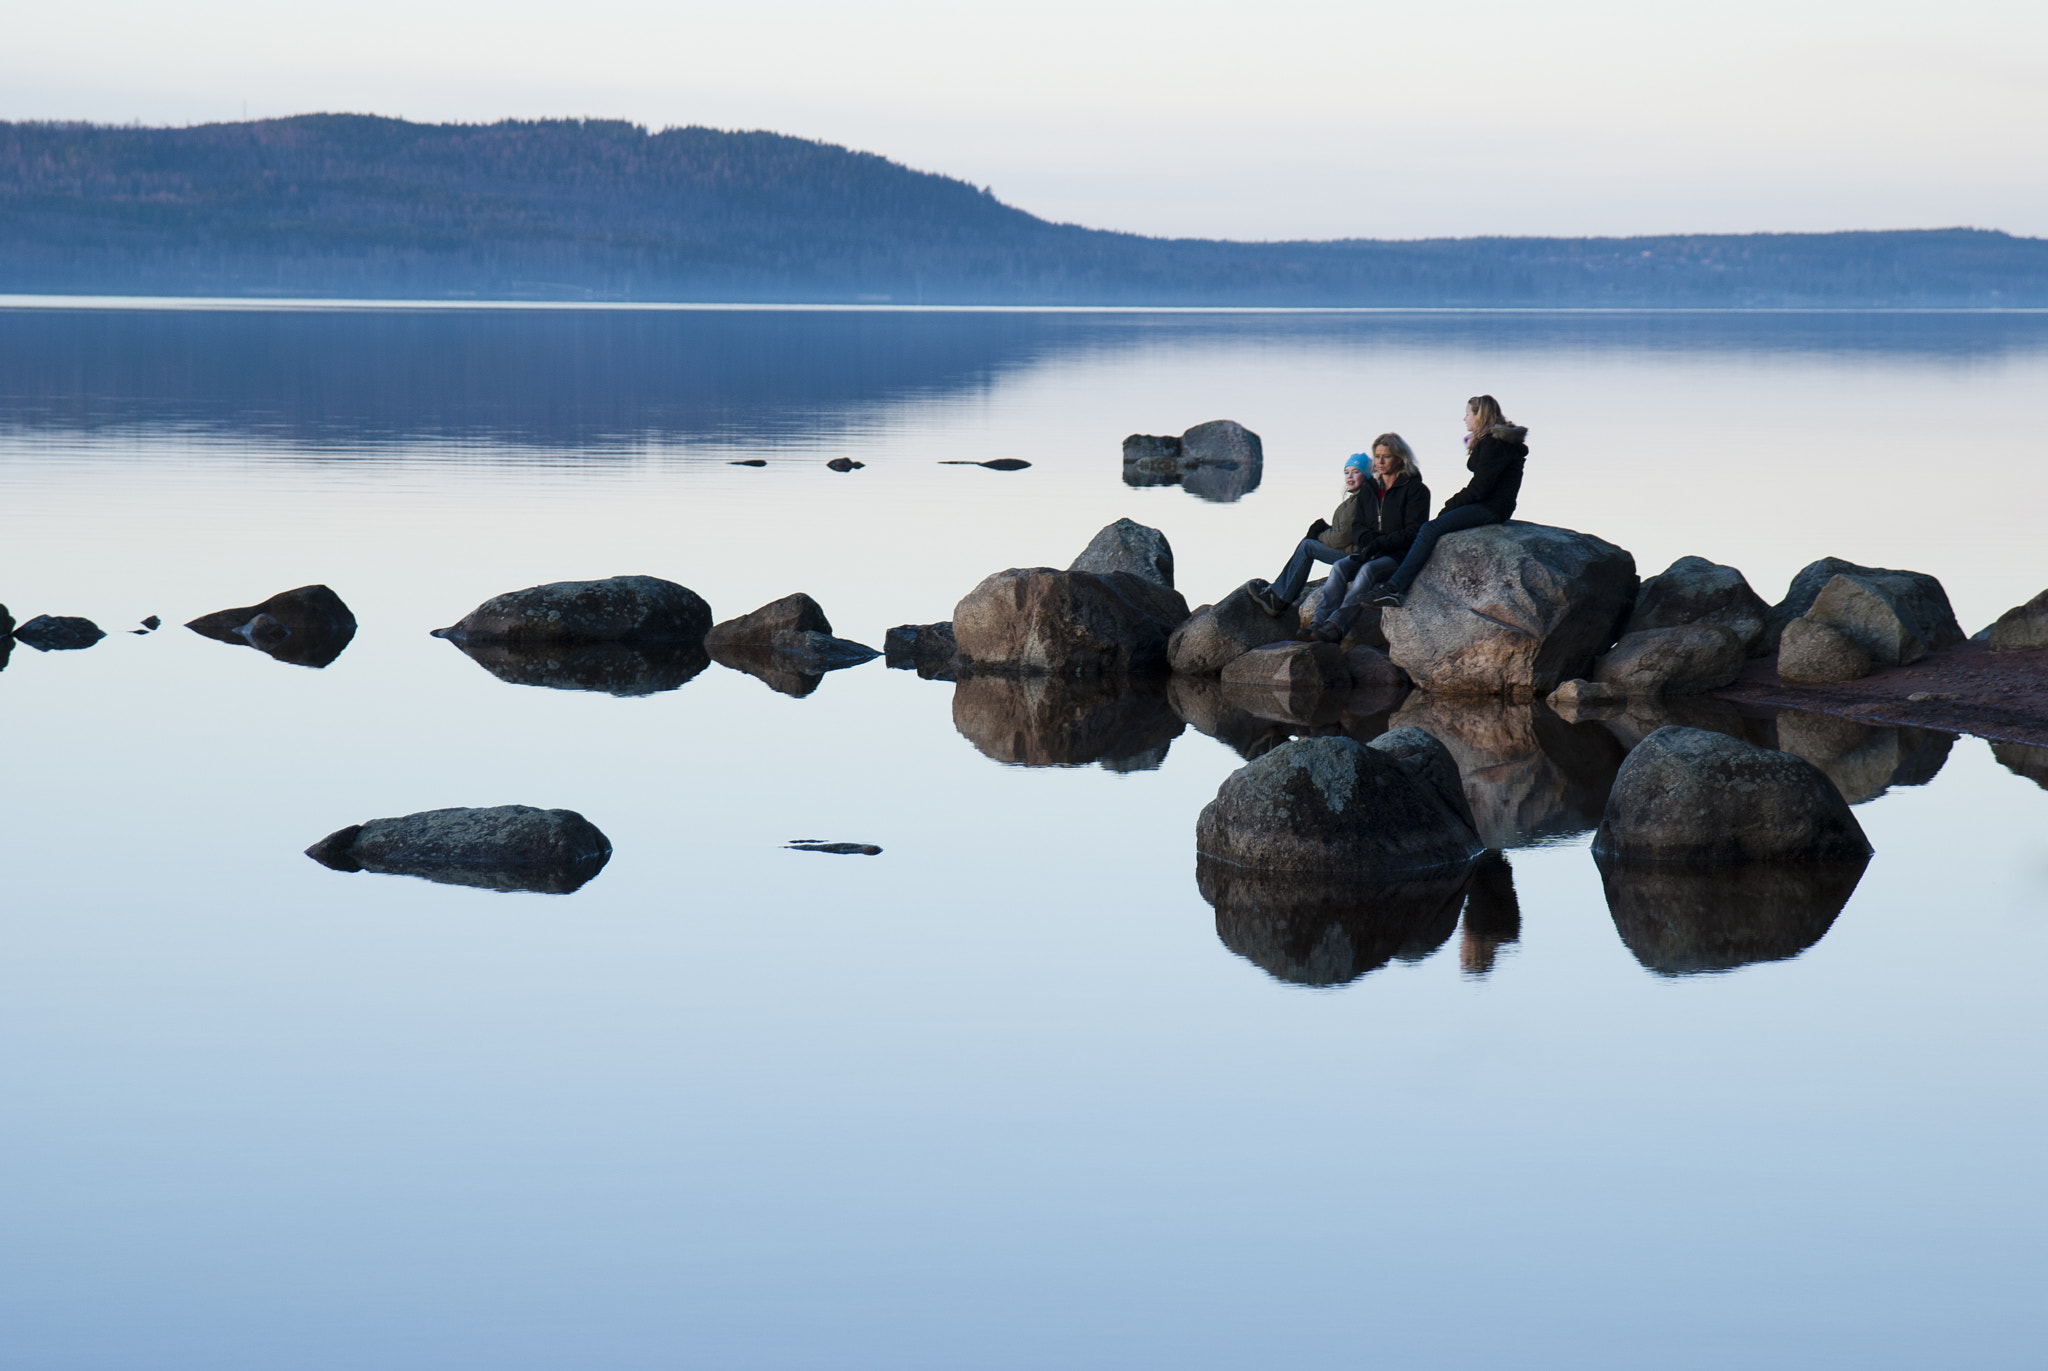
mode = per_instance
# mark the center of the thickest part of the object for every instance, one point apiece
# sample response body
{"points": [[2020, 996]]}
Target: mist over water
{"points": [[1028, 1088]]}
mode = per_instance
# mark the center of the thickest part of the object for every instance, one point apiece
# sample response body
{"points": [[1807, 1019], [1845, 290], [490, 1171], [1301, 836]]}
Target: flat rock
{"points": [[1324, 929], [1039, 621], [1216, 635], [1686, 659], [1814, 653], [59, 633], [1681, 921], [509, 847], [1916, 596], [1129, 546], [1693, 590], [1120, 724], [1391, 809], [308, 626], [620, 609], [1512, 610], [2021, 627], [1686, 795]]}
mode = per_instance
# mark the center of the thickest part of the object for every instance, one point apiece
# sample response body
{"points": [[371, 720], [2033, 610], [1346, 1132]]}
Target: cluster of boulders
{"points": [[1221, 460]]}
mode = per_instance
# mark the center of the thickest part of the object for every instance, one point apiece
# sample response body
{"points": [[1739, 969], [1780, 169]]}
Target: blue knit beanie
{"points": [[1361, 460]]}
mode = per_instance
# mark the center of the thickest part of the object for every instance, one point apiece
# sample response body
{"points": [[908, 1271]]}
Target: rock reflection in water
{"points": [[1125, 724], [1224, 716], [2018, 758], [1529, 776], [1679, 921], [1493, 916], [1863, 760], [780, 672], [614, 668], [1319, 929], [1634, 720]]}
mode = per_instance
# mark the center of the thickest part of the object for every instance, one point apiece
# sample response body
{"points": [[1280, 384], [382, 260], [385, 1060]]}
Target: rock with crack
{"points": [[308, 626], [1038, 621], [508, 847], [620, 609], [1688, 796], [1693, 590], [1686, 659]]}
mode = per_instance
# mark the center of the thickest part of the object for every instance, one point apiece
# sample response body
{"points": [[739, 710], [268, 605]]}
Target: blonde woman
{"points": [[1495, 457]]}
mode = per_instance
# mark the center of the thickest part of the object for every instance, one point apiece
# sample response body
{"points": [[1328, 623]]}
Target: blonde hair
{"points": [[1403, 454], [1488, 410]]}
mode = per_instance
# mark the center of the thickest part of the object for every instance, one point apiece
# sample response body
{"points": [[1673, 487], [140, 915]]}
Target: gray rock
{"points": [[1581, 696], [926, 648], [1693, 590], [789, 635], [1127, 545], [1324, 929], [1221, 442], [1220, 461], [59, 633], [1120, 724], [6, 625], [621, 669], [1141, 448], [1688, 796], [1372, 669], [1512, 610], [307, 627], [621, 609], [1039, 621], [1682, 921], [1335, 804], [1891, 618], [1216, 635], [2022, 627], [1814, 653], [1918, 598], [510, 847], [1687, 659], [1863, 760], [1527, 776], [1297, 679]]}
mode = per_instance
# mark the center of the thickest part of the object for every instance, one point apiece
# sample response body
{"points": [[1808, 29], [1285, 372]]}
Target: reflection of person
{"points": [[1493, 915], [1496, 455], [1327, 540], [1395, 504]]}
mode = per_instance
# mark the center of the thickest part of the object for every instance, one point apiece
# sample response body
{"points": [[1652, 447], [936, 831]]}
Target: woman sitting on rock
{"points": [[1327, 541], [1394, 505], [1496, 453]]}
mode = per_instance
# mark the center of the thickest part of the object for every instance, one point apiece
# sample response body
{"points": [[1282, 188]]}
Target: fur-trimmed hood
{"points": [[1508, 433]]}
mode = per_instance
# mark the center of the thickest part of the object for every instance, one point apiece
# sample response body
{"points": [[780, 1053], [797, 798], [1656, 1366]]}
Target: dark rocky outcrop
{"points": [[1529, 776], [1216, 635], [1682, 921], [1122, 724], [1127, 545], [308, 626], [1391, 808], [1512, 610], [2022, 627], [1914, 598], [1863, 760], [1324, 929], [1687, 659], [620, 609], [792, 630], [59, 633], [844, 464], [1814, 653], [614, 668], [1693, 590], [1688, 796], [1038, 621], [924, 648], [509, 847], [1221, 460]]}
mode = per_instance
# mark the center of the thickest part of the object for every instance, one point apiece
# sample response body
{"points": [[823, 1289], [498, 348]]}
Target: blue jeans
{"points": [[1345, 591], [1311, 551], [1455, 521]]}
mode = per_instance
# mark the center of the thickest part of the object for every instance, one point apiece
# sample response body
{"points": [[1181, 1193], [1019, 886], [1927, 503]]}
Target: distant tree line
{"points": [[354, 205]]}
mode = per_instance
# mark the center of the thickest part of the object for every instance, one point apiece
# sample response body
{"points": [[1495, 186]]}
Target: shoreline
{"points": [[1998, 696]]}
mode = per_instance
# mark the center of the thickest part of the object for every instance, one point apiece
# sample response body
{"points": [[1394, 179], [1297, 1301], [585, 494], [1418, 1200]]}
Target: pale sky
{"points": [[1284, 119]]}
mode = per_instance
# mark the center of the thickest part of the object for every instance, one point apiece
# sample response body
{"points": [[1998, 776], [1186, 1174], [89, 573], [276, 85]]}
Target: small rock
{"points": [[151, 624], [1922, 697], [1686, 659], [1580, 694], [1814, 653], [845, 464], [509, 847], [999, 464], [1693, 590], [749, 462], [835, 849], [1371, 669], [621, 609], [307, 626], [926, 648], [1222, 441], [58, 633], [1216, 635], [2021, 627], [787, 635], [1036, 620], [1141, 448], [1685, 795], [1127, 545]]}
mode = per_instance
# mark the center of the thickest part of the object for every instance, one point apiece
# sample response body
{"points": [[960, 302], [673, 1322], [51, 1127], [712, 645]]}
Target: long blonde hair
{"points": [[1490, 417], [1403, 454]]}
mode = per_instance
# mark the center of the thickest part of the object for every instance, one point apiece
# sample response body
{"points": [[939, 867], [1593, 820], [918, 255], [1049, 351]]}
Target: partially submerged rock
{"points": [[1392, 808], [509, 847], [2021, 627], [308, 626], [59, 633], [1127, 545], [1693, 590], [1814, 653], [1122, 725], [1685, 795], [794, 629], [833, 849], [925, 648], [1686, 659], [614, 668], [1581, 696], [1682, 921], [619, 609], [1038, 621], [1917, 597], [1511, 609], [1325, 929], [1216, 635], [1221, 460]]}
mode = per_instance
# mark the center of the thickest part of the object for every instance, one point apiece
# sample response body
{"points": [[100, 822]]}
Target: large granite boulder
{"points": [[59, 633], [1682, 921], [1324, 929], [1528, 776], [1685, 659], [1127, 545], [1038, 621], [509, 847], [1511, 609], [624, 669], [1895, 617], [620, 609], [1221, 460], [1118, 723], [1813, 653], [1216, 635], [308, 626], [1390, 809], [1913, 597], [2022, 627], [1693, 590], [1686, 795]]}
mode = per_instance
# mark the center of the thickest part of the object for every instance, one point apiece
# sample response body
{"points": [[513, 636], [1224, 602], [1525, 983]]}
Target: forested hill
{"points": [[353, 205]]}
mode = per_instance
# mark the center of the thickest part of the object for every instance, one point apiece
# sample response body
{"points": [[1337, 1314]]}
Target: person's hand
{"points": [[1318, 528]]}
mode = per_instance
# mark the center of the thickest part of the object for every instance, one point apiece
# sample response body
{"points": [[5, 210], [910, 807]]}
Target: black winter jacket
{"points": [[1387, 524], [1496, 467]]}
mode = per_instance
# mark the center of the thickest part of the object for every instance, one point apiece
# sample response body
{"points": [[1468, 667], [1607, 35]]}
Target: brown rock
{"points": [[1687, 659], [1216, 635], [2021, 627], [308, 626], [1814, 653], [1043, 622]]}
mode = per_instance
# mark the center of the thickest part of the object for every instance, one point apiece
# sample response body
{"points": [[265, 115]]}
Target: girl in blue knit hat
{"points": [[1384, 503]]}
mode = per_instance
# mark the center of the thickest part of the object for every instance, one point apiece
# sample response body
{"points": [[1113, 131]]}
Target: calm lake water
{"points": [[1009, 1094]]}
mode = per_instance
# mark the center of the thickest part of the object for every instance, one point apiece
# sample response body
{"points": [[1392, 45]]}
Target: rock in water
{"points": [[1685, 795], [926, 648], [844, 464], [59, 633], [510, 847], [1681, 921], [1511, 609], [1917, 597], [1035, 620], [1813, 653], [623, 669], [621, 609], [1221, 460], [1328, 928], [1687, 659], [1216, 635], [6, 625], [1124, 725], [1129, 546], [308, 626], [1391, 809], [2020, 628], [1693, 590], [1581, 696], [1220, 442], [789, 636]]}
